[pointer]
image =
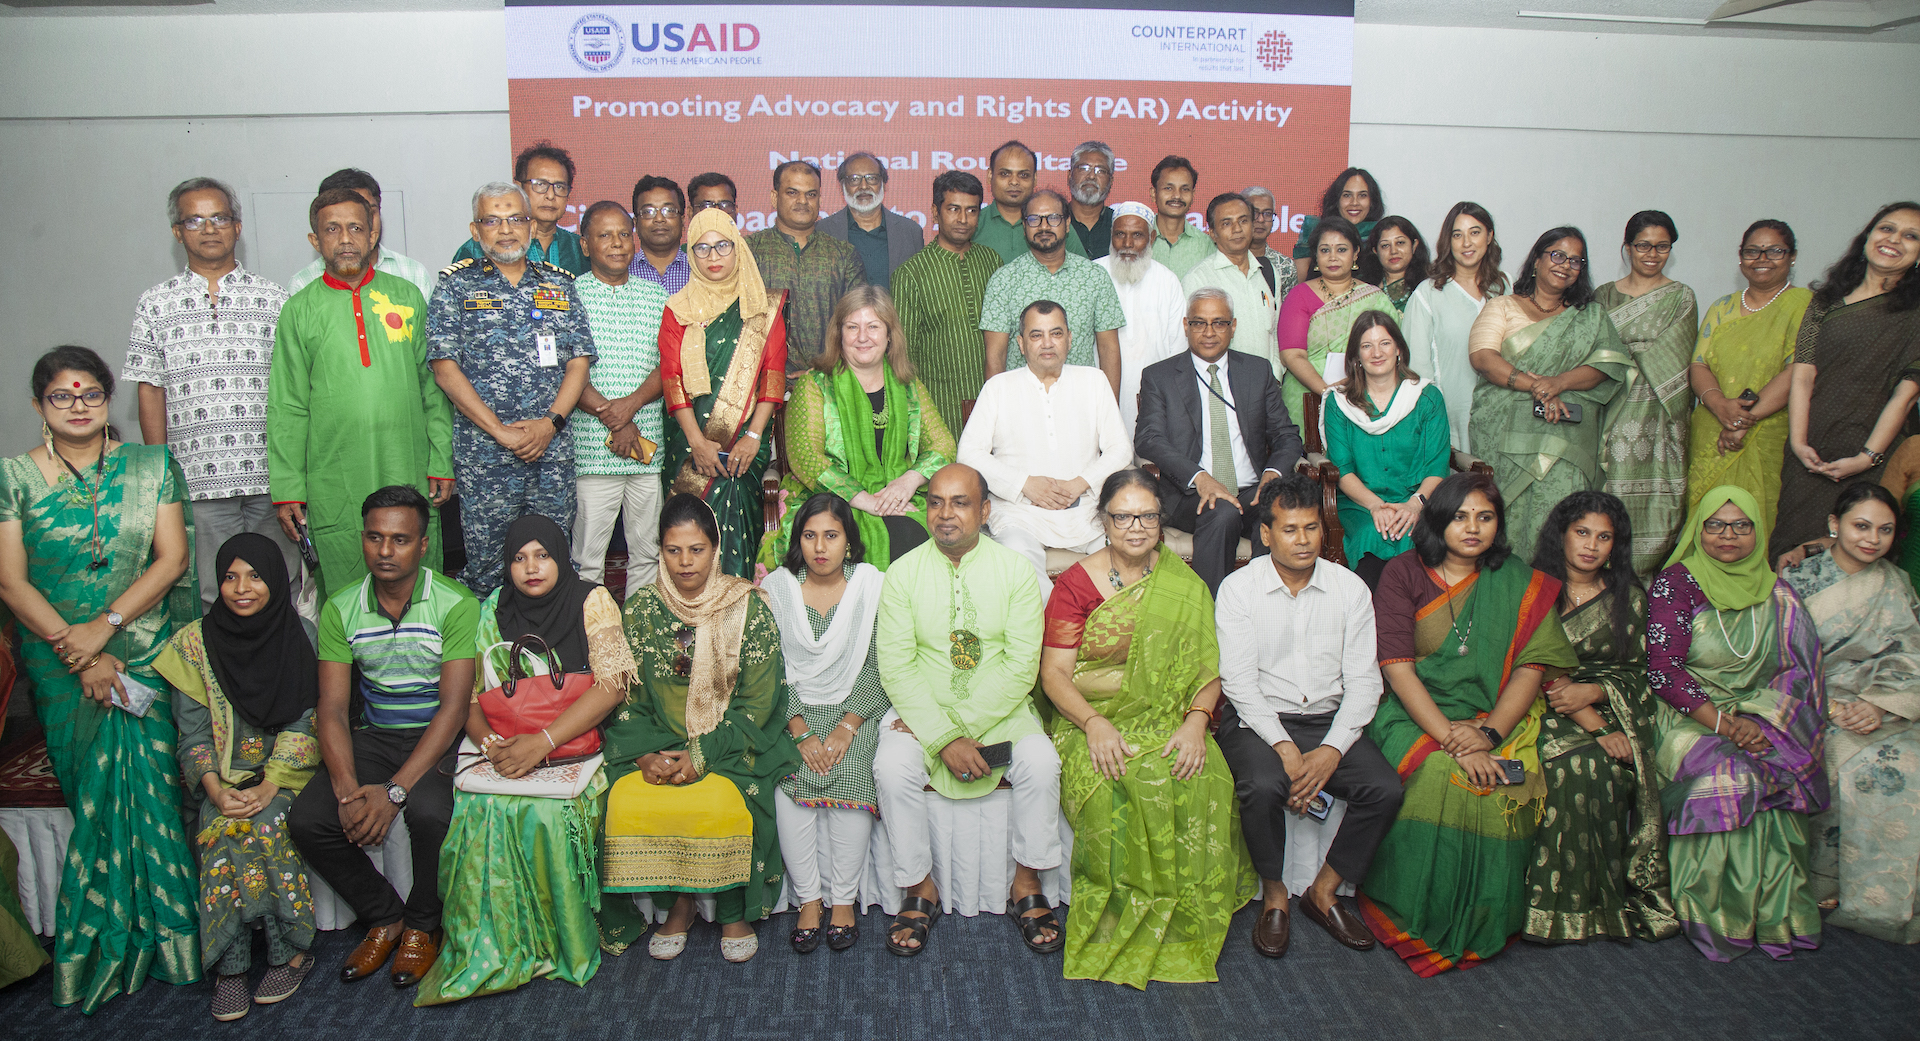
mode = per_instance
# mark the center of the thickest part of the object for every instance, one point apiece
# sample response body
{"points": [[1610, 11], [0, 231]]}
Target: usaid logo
{"points": [[595, 43]]}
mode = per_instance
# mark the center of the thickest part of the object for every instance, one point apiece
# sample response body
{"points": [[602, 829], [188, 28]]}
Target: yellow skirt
{"points": [[695, 838]]}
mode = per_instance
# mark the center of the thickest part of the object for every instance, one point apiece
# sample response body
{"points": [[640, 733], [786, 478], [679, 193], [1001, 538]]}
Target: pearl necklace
{"points": [[1776, 295]]}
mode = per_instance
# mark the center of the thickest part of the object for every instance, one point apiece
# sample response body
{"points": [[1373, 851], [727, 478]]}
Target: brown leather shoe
{"points": [[417, 953], [368, 958], [1272, 932], [1340, 922]]}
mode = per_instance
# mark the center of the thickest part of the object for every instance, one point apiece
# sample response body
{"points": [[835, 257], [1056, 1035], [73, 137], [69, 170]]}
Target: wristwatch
{"points": [[117, 620], [559, 421], [396, 794], [1876, 458], [1492, 735]]}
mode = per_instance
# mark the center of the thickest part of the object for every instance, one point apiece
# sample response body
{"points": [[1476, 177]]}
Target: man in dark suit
{"points": [[1206, 418], [884, 239]]}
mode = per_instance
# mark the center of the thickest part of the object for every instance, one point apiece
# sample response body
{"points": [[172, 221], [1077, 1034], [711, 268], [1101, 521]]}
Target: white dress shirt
{"points": [[1020, 428], [1243, 467], [1303, 654], [1155, 307]]}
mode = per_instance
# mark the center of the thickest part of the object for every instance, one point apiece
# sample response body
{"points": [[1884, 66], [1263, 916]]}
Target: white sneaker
{"points": [[665, 947], [737, 949]]}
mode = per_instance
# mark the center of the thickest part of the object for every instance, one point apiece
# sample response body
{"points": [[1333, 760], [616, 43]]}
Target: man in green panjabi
{"points": [[351, 404]]}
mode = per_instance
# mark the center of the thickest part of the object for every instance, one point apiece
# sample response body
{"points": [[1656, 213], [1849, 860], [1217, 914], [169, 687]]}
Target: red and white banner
{"points": [[1249, 99]]}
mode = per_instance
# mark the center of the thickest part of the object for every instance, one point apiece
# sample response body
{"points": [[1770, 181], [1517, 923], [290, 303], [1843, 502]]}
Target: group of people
{"points": [[1573, 691]]}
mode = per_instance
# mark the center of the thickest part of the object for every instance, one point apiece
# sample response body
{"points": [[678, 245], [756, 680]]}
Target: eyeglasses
{"points": [[558, 188], [723, 205], [1051, 220], [222, 221], [64, 399], [1769, 252], [1148, 521], [703, 250], [650, 212], [491, 223], [1714, 526], [1220, 325], [683, 662], [1083, 169], [1662, 248], [863, 180], [1559, 258], [1260, 215]]}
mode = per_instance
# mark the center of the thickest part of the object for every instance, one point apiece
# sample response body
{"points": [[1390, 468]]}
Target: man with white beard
{"points": [[884, 239], [1151, 297], [1089, 181]]}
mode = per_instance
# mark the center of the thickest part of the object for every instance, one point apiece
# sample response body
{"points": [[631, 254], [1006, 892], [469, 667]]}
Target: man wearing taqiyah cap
{"points": [[1150, 295]]}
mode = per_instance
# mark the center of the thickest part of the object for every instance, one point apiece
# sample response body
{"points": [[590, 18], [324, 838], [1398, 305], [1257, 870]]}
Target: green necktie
{"points": [[1222, 468]]}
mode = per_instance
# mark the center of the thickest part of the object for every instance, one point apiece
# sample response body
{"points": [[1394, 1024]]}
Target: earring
{"points": [[46, 435], [1832, 534]]}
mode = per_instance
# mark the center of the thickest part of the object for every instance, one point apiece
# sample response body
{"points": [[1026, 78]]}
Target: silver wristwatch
{"points": [[396, 794]]}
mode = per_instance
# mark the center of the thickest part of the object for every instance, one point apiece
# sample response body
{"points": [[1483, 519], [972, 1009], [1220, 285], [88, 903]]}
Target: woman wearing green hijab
{"points": [[1738, 739]]}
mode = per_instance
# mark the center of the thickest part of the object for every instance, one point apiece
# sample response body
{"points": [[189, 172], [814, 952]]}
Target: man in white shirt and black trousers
{"points": [[1298, 666]]}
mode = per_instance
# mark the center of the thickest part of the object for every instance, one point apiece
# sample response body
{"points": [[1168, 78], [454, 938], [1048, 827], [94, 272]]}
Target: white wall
{"points": [[1543, 128]]}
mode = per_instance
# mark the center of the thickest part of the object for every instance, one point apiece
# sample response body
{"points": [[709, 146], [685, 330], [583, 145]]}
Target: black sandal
{"points": [[841, 937], [1030, 927], [918, 927]]}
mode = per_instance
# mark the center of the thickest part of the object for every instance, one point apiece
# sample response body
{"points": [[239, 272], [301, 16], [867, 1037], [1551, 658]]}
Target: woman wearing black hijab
{"points": [[248, 680], [519, 874]]}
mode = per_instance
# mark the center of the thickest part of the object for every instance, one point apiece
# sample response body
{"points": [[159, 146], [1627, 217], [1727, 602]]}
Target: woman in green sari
{"points": [[248, 681], [1866, 848], [697, 752], [1646, 429], [1738, 740], [517, 872], [1317, 316], [1130, 659], [1599, 867], [1542, 353], [863, 428], [1739, 371], [1467, 634], [723, 370], [95, 539]]}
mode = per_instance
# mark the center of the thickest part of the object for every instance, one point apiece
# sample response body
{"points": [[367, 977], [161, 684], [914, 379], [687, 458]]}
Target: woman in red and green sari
{"points": [[95, 537], [1468, 633], [723, 363], [860, 426]]}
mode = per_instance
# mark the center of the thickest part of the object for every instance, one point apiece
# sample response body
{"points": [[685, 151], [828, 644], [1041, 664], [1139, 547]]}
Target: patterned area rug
{"points": [[26, 774]]}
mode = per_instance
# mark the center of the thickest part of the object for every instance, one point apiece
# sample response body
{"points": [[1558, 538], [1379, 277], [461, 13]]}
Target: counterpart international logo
{"points": [[595, 43], [1274, 50]]}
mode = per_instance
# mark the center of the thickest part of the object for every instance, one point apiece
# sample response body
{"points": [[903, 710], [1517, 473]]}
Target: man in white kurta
{"points": [[1150, 295], [1045, 437]]}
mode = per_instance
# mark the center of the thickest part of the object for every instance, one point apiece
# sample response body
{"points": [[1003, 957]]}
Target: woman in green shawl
{"points": [[1646, 429], [95, 537], [723, 371], [1130, 659], [1467, 635], [697, 751], [1866, 848], [1542, 353], [864, 429], [1738, 739], [1599, 867]]}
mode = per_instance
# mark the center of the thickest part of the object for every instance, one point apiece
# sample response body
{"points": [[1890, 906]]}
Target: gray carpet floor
{"points": [[976, 983]]}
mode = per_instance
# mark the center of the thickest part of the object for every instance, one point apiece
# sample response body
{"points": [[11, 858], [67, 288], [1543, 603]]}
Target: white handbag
{"points": [[474, 773]]}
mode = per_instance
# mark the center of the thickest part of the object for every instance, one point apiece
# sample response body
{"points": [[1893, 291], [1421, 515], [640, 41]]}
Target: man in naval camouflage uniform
{"points": [[509, 344]]}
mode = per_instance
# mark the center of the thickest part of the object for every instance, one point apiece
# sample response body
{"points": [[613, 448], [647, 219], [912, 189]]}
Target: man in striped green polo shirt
{"points": [[410, 633]]}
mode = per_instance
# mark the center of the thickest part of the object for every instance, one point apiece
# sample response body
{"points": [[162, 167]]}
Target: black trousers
{"points": [[1364, 779], [314, 823], [1216, 532]]}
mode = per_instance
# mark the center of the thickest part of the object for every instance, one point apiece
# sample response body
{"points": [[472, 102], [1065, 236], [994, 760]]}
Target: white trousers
{"points": [[900, 773], [1028, 545], [804, 830], [599, 499]]}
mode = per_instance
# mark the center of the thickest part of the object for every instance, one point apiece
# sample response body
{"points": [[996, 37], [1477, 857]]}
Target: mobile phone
{"points": [[998, 755], [1749, 396], [1320, 806], [1512, 770], [1574, 412], [305, 546], [723, 458]]}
